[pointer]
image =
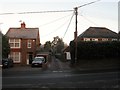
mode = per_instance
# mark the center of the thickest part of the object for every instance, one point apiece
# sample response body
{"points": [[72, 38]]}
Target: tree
{"points": [[60, 46], [47, 46], [5, 47], [57, 44]]}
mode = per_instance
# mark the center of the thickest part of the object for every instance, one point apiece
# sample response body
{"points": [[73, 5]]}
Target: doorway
{"points": [[30, 55]]}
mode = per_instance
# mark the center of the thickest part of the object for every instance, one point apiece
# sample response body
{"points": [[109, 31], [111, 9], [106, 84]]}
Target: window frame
{"points": [[105, 39], [29, 43], [86, 39], [95, 39], [16, 43], [16, 56]]}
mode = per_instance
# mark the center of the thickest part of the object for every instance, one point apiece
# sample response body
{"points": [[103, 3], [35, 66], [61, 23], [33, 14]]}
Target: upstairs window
{"points": [[14, 43], [29, 43], [86, 39], [114, 39], [94, 39], [104, 39]]}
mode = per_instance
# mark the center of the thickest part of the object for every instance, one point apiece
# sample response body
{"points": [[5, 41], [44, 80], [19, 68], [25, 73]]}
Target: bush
{"points": [[95, 50]]}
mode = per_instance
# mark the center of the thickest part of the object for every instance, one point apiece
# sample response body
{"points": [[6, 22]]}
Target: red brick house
{"points": [[23, 43], [98, 34]]}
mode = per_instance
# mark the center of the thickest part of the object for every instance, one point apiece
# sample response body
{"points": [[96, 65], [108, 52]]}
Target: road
{"points": [[58, 75]]}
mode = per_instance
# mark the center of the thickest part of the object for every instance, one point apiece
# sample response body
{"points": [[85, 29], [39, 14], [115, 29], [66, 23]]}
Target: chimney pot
{"points": [[23, 25]]}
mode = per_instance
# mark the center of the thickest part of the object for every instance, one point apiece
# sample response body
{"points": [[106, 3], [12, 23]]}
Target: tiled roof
{"points": [[98, 32], [25, 33]]}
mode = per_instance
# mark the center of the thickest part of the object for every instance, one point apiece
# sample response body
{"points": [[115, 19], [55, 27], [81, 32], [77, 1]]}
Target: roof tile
{"points": [[31, 33], [98, 32]]}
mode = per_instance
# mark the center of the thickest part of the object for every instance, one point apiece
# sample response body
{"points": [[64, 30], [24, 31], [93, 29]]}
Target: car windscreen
{"points": [[38, 59]]}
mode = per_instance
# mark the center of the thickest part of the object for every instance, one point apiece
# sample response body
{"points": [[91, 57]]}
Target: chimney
{"points": [[23, 25]]}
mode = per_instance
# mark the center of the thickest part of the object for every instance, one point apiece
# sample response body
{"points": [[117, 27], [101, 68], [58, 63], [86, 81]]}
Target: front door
{"points": [[30, 58]]}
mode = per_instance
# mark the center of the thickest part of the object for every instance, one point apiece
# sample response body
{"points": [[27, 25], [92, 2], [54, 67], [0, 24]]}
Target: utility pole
{"points": [[75, 33]]}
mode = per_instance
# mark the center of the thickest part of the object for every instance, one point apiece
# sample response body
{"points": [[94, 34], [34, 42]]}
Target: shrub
{"points": [[95, 50]]}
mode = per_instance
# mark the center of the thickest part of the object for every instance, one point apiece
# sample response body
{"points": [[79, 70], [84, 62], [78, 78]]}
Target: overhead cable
{"points": [[68, 26], [53, 21], [55, 29], [38, 12], [89, 20], [88, 3]]}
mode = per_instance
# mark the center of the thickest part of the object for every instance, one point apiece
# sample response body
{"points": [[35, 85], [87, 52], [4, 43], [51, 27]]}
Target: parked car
{"points": [[7, 62], [38, 62]]}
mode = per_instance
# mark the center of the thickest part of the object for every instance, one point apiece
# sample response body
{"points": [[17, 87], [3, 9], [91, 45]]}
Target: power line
{"points": [[89, 20], [88, 3], [68, 26], [53, 21], [38, 12], [55, 29]]}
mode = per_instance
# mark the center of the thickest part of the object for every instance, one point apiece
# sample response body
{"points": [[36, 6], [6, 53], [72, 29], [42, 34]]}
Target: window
{"points": [[114, 39], [29, 43], [14, 43], [94, 39], [104, 39], [15, 56], [86, 39]]}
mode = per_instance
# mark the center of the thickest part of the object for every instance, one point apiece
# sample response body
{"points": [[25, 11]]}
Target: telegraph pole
{"points": [[75, 33]]}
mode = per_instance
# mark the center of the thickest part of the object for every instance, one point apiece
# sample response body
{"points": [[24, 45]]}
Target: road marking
{"points": [[57, 71]]}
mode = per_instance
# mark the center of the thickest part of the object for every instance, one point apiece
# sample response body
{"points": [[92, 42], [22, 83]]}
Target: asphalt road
{"points": [[58, 75]]}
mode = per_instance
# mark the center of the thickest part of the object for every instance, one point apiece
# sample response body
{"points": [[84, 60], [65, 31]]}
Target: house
{"points": [[23, 43], [66, 52], [98, 34]]}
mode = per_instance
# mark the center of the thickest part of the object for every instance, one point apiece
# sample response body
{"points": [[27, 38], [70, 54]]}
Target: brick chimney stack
{"points": [[23, 25]]}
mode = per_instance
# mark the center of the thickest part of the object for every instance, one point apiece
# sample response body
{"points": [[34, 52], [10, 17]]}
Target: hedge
{"points": [[95, 50]]}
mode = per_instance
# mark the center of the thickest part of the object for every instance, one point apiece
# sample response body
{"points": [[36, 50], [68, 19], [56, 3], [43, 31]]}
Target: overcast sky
{"points": [[103, 13]]}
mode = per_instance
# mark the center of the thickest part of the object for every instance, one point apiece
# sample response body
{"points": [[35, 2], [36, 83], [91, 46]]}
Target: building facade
{"points": [[24, 43]]}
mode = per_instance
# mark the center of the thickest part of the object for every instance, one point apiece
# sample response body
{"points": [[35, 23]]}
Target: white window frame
{"points": [[86, 39], [104, 39], [29, 43], [14, 42], [114, 39], [13, 56], [94, 39]]}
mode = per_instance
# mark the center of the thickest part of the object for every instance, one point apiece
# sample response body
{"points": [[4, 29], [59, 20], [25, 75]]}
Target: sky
{"points": [[103, 13]]}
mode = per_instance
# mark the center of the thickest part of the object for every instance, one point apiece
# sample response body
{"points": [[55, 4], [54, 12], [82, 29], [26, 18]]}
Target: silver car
{"points": [[38, 62]]}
